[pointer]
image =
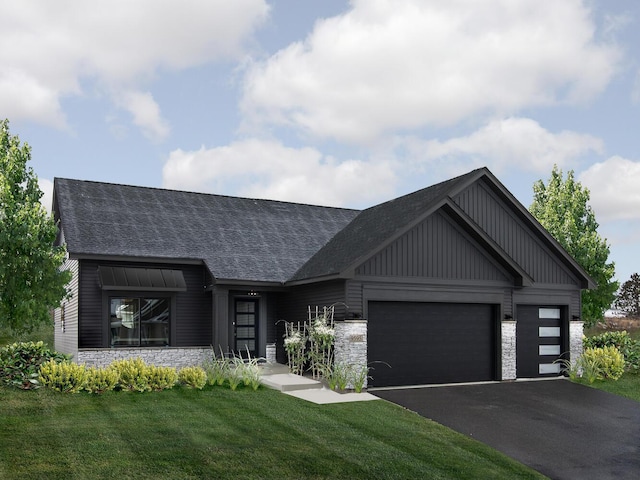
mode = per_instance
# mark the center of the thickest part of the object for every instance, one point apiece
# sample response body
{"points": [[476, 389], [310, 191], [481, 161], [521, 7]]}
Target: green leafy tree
{"points": [[628, 299], [562, 207], [31, 282]]}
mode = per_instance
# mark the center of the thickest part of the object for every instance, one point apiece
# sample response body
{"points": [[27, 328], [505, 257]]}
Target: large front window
{"points": [[139, 321]]}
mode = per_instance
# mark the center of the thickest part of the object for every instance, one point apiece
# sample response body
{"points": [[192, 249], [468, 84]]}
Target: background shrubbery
{"points": [[20, 363], [621, 340]]}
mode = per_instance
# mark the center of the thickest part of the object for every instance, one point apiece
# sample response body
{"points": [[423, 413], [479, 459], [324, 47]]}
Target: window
{"points": [[139, 321]]}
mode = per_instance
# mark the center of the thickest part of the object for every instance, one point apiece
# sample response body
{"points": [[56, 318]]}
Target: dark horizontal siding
{"points": [[193, 317], [272, 316], [501, 224], [295, 303], [193, 310], [435, 248], [91, 317], [354, 297]]}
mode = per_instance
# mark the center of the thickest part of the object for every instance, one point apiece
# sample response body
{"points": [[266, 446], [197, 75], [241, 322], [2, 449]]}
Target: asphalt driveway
{"points": [[559, 428]]}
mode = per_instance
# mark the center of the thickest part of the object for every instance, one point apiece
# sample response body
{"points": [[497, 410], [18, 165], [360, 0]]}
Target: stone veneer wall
{"points": [[168, 357], [509, 350], [576, 332], [351, 344]]}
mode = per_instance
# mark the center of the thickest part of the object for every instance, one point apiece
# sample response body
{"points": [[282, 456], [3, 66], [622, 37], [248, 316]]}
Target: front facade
{"points": [[455, 283]]}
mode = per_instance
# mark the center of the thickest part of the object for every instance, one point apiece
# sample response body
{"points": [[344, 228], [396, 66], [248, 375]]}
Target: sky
{"points": [[340, 103]]}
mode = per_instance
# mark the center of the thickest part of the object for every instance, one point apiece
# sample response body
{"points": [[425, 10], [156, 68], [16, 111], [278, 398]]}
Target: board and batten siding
{"points": [[436, 248], [193, 309], [65, 317], [505, 228]]}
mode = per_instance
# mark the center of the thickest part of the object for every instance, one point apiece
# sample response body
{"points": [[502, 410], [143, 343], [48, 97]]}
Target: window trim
{"points": [[107, 295]]}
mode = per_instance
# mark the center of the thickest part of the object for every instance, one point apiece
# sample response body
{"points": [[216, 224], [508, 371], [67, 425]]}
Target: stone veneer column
{"points": [[351, 344], [576, 332], [508, 350]]}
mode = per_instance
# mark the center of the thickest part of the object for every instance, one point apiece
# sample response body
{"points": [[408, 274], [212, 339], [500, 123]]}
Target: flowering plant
{"points": [[294, 344]]}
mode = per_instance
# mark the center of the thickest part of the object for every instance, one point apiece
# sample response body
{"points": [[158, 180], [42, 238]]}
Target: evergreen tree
{"points": [[562, 207], [629, 296], [31, 282]]}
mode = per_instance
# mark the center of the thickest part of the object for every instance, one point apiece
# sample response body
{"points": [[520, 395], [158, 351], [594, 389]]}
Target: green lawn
{"points": [[217, 433], [628, 386]]}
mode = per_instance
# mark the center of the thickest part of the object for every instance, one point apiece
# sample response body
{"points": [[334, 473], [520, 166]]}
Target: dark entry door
{"points": [[431, 343], [246, 326], [540, 340]]}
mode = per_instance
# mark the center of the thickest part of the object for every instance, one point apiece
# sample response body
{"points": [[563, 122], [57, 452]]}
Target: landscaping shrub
{"points": [[100, 380], [337, 376], [217, 370], [193, 377], [250, 370], [161, 378], [234, 374], [609, 360], [623, 342], [133, 374], [20, 363], [63, 377]]}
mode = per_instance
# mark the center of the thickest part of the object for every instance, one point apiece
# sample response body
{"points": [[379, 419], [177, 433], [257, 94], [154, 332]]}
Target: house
{"points": [[453, 283]]}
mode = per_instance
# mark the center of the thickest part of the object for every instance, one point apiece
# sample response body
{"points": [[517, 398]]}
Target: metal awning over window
{"points": [[148, 279]]}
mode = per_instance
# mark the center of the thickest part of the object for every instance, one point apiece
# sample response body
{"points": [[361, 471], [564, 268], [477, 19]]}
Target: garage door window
{"points": [[549, 313], [549, 333]]}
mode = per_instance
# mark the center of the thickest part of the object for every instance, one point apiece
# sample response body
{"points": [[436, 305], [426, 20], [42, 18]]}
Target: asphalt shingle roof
{"points": [[373, 226], [240, 238], [237, 238]]}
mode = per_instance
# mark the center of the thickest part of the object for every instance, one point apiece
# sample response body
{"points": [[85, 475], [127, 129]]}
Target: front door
{"points": [[540, 340], [246, 326]]}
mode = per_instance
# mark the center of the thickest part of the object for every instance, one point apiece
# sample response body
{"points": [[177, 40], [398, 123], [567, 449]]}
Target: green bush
{"points": [[63, 377], [161, 378], [100, 380], [133, 374], [20, 363], [194, 377], [606, 339], [622, 341], [609, 361]]}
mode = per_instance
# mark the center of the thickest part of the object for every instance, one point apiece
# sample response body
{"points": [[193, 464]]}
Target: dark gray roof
{"points": [[237, 238], [257, 240], [375, 226]]}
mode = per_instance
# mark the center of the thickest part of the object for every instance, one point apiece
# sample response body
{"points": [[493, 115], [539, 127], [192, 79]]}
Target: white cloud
{"points": [[51, 48], [46, 186], [614, 188], [405, 64], [146, 114], [267, 169], [511, 142]]}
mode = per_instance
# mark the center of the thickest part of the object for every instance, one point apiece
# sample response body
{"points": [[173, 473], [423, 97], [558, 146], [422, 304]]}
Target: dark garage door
{"points": [[430, 343], [540, 340]]}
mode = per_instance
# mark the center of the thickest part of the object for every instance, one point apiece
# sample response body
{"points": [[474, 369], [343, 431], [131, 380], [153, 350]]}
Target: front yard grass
{"points": [[217, 433], [627, 386]]}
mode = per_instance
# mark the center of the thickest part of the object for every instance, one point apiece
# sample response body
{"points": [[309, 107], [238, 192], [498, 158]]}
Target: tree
{"points": [[628, 299], [31, 281], [562, 207]]}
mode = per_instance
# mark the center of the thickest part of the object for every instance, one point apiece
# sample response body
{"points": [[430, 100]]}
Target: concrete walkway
{"points": [[277, 376]]}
